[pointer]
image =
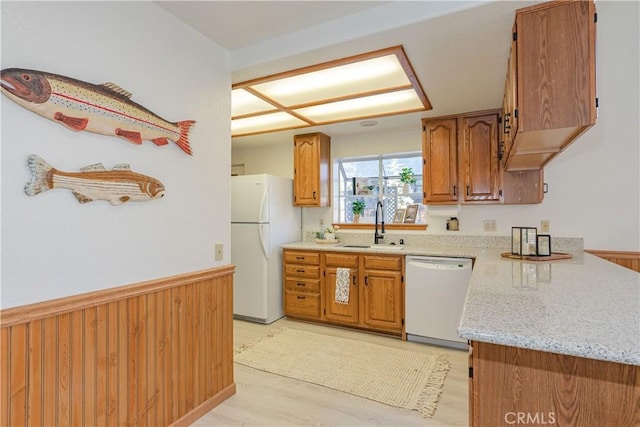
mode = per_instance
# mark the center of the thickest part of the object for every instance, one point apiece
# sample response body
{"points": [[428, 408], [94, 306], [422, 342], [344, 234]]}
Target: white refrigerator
{"points": [[262, 219]]}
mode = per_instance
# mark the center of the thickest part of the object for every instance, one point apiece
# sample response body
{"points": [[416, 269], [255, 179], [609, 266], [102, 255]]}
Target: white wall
{"points": [[594, 186], [52, 246], [279, 156]]}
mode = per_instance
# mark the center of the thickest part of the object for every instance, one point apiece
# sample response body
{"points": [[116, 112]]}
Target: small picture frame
{"points": [[543, 246], [411, 214], [524, 241], [398, 217]]}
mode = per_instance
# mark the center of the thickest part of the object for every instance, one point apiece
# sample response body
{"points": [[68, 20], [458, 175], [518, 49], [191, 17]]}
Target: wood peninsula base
{"points": [[515, 386]]}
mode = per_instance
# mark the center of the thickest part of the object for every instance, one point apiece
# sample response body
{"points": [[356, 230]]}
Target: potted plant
{"points": [[407, 177], [357, 207]]}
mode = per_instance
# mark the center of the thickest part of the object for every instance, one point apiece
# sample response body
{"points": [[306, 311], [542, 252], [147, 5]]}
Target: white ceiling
{"points": [[458, 49], [237, 24]]}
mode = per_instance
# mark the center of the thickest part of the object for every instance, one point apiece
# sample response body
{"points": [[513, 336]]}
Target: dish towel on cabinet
{"points": [[343, 276]]}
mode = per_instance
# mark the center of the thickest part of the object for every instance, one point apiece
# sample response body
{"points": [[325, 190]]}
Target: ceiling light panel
{"points": [[265, 123], [369, 106], [380, 83], [348, 80], [243, 103]]}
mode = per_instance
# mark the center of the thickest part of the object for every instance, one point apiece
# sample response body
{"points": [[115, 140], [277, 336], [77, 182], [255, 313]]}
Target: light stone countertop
{"points": [[583, 306]]}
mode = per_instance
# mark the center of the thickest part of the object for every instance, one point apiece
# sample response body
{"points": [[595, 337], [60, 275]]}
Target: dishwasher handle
{"points": [[436, 264]]}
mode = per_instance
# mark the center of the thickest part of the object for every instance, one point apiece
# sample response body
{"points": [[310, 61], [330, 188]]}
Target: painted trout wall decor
{"points": [[104, 109], [94, 182]]}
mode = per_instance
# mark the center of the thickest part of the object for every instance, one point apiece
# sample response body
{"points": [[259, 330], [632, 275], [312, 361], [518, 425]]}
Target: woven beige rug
{"points": [[401, 378]]}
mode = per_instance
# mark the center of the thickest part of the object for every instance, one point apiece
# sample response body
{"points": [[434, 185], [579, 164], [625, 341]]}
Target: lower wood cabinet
{"points": [[510, 386], [383, 292], [376, 289], [302, 284], [334, 311]]}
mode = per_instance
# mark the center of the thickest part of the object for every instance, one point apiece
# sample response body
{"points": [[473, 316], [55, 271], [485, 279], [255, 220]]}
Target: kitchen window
{"points": [[374, 178]]}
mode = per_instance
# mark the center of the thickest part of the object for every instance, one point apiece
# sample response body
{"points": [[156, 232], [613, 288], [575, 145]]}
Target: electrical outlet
{"points": [[219, 251], [545, 226], [490, 225]]}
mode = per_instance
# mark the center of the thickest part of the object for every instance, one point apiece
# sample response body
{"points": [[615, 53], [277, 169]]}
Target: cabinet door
{"points": [[509, 116], [306, 171], [440, 161], [382, 299], [520, 187], [479, 167], [556, 65], [336, 311], [555, 81], [312, 170]]}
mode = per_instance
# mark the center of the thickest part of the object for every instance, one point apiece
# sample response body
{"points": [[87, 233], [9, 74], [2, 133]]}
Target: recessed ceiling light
{"points": [[373, 84], [368, 123]]}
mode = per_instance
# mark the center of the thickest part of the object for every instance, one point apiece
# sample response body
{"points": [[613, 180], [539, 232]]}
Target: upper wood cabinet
{"points": [[440, 165], [312, 170], [461, 158], [550, 91], [478, 158], [462, 163], [521, 187]]}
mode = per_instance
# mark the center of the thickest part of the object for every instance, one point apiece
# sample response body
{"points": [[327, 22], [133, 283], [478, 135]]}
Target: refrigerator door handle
{"points": [[262, 242], [262, 202]]}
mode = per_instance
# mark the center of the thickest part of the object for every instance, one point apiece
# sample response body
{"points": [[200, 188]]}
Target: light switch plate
{"points": [[490, 225], [219, 251], [545, 226]]}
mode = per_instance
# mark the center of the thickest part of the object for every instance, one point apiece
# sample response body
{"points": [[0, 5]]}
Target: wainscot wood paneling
{"points": [[156, 353], [624, 258]]}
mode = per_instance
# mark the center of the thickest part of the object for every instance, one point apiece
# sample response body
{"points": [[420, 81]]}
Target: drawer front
{"points": [[302, 285], [377, 262], [341, 260], [302, 271], [302, 257], [296, 304]]}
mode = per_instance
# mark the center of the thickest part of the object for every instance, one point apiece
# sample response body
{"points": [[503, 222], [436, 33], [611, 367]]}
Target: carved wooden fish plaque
{"points": [[94, 182], [104, 109]]}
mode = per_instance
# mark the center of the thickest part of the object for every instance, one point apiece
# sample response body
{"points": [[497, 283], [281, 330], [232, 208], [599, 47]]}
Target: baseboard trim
{"points": [[205, 407]]}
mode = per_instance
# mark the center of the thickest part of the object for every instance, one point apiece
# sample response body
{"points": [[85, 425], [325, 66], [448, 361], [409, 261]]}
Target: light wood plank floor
{"points": [[264, 399]]}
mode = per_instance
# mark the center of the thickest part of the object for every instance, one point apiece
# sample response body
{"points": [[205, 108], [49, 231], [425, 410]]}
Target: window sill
{"points": [[387, 226]]}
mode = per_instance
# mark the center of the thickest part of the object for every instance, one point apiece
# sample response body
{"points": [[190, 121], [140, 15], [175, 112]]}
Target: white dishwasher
{"points": [[436, 288]]}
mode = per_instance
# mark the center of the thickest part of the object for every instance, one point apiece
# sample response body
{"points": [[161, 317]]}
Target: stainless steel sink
{"points": [[392, 247]]}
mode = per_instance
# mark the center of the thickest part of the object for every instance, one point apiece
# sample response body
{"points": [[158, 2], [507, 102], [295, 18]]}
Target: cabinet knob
{"points": [[314, 195], [300, 297], [300, 284], [300, 271]]}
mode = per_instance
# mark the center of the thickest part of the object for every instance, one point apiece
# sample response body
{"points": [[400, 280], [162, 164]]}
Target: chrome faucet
{"points": [[379, 236]]}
